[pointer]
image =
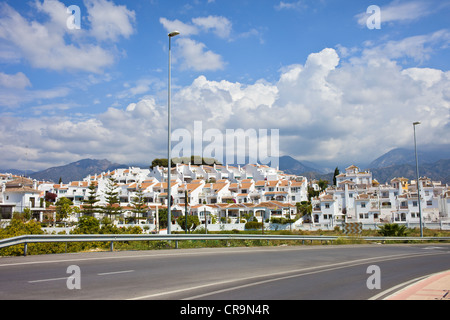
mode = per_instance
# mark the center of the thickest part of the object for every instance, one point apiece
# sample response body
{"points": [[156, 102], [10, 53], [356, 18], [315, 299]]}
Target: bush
{"points": [[393, 230], [281, 220], [253, 225]]}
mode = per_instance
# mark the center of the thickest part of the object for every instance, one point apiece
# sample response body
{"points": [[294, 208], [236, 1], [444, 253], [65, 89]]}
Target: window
{"points": [[429, 203], [327, 205], [414, 203], [363, 204]]}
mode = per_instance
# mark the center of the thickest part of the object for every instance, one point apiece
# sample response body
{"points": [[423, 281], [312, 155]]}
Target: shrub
{"points": [[393, 230], [253, 225]]}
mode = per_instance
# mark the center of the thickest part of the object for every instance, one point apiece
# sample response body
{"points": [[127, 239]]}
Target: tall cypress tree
{"points": [[138, 203], [336, 173], [112, 207], [89, 207]]}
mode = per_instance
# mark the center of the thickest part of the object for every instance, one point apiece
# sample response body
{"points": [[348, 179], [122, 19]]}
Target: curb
{"points": [[434, 287]]}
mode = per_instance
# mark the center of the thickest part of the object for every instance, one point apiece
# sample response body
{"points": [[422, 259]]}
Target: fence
{"points": [[26, 239]]}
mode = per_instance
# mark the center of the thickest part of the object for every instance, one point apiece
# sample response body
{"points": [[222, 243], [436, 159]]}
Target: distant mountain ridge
{"points": [[399, 156], [436, 171], [395, 163], [76, 171], [293, 166]]}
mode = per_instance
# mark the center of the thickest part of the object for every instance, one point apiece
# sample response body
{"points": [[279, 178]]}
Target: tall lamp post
{"points": [[417, 173], [169, 146]]}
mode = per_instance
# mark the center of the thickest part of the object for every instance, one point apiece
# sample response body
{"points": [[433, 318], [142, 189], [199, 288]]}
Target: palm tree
{"points": [[393, 230]]}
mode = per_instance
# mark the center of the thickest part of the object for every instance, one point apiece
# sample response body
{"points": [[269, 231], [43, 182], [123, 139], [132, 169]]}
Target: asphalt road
{"points": [[236, 274]]}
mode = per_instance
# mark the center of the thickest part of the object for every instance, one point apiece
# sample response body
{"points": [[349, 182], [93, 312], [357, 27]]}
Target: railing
{"points": [[4, 243]]}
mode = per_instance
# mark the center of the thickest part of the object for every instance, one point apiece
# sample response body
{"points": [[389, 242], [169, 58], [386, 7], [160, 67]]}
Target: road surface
{"points": [[347, 272]]}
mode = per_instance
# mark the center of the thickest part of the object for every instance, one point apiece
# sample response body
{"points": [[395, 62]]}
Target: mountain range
{"points": [[434, 164]]}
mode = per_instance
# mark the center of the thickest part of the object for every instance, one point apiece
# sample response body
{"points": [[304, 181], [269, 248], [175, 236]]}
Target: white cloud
{"points": [[109, 21], [401, 11], [326, 108], [296, 5], [197, 57], [51, 45], [419, 48], [16, 81], [194, 54], [220, 26], [177, 25]]}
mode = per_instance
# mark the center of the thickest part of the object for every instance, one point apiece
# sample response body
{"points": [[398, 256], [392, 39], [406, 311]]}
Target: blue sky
{"points": [[337, 91]]}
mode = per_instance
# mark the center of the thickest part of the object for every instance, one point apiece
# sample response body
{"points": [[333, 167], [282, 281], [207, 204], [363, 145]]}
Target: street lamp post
{"points": [[169, 144], [417, 183]]}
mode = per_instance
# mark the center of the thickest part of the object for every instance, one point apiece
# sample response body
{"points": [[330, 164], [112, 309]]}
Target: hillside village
{"points": [[229, 195]]}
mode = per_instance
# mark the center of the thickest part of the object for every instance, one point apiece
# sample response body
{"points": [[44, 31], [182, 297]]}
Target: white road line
{"points": [[116, 272], [65, 278], [404, 284], [283, 275], [155, 255], [46, 280]]}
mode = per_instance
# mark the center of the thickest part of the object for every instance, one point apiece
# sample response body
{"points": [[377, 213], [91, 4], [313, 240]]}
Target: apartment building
{"points": [[230, 192], [19, 194], [357, 197]]}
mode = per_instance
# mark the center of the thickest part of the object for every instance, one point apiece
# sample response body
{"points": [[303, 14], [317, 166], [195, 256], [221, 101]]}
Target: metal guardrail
{"points": [[26, 239]]}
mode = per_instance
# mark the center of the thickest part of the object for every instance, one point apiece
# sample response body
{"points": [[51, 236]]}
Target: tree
{"points": [[138, 203], [304, 208], [87, 225], [323, 184], [312, 193], [393, 230], [160, 163], [192, 222], [112, 207], [64, 208], [162, 217], [336, 173], [50, 197], [89, 207]]}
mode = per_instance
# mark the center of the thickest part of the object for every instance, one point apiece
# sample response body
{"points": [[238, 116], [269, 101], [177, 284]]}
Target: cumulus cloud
{"points": [[14, 90], [16, 81], [110, 21], [296, 5], [326, 108], [220, 26], [418, 48], [172, 25], [194, 53], [195, 56], [51, 45], [400, 11]]}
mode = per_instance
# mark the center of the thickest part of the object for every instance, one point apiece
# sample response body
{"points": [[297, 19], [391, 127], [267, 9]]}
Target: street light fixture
{"points": [[169, 146], [417, 172]]}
